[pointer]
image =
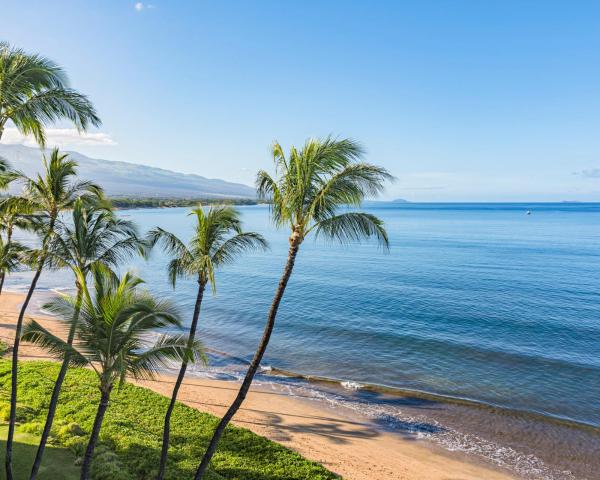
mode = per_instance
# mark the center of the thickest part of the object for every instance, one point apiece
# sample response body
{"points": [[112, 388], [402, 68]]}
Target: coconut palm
{"points": [[49, 195], [312, 185], [5, 174], [93, 236], [34, 92], [15, 212], [111, 337], [11, 256], [218, 240]]}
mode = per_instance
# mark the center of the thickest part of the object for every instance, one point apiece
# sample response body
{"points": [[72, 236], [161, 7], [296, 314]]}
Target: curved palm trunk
{"points": [[237, 403], [15, 357], [2, 275], [89, 451], [55, 393], [13, 388], [167, 428]]}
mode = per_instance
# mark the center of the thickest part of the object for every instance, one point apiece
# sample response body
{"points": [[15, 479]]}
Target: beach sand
{"points": [[347, 445]]}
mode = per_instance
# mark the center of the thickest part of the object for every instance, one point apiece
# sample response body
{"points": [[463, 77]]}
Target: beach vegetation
{"points": [[172, 202], [112, 337], [91, 236], [131, 435], [48, 195]]}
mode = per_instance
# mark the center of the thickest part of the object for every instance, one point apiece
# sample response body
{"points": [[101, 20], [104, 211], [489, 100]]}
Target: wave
{"points": [[437, 397]]}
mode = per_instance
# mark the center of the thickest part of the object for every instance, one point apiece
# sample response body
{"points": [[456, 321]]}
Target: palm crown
{"points": [[55, 190], [34, 91], [93, 235], [15, 212], [314, 183], [111, 334], [12, 254], [218, 239], [6, 174]]}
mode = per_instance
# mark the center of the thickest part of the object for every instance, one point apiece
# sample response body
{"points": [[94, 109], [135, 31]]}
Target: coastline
{"points": [[344, 442]]}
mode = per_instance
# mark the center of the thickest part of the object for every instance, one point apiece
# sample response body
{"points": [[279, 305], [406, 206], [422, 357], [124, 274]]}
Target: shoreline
{"points": [[344, 442], [340, 384]]}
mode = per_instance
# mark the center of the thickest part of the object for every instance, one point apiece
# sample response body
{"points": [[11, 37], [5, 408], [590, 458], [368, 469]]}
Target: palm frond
{"points": [[170, 243], [34, 333], [233, 247], [167, 350], [313, 183], [353, 227]]}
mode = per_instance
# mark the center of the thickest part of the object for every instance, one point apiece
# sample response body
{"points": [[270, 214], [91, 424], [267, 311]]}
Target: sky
{"points": [[460, 100]]}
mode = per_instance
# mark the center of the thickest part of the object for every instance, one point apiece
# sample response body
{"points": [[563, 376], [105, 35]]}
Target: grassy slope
{"points": [[59, 462], [133, 427]]}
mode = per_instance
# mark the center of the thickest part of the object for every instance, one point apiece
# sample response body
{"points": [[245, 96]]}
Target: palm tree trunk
{"points": [[56, 392], [15, 355], [13, 389], [167, 428], [2, 275], [89, 452], [237, 403]]}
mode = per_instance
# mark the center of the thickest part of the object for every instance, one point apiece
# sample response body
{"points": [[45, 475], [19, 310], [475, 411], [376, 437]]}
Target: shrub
{"points": [[131, 435]]}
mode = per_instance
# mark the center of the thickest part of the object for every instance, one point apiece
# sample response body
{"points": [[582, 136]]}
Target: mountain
{"points": [[130, 179]]}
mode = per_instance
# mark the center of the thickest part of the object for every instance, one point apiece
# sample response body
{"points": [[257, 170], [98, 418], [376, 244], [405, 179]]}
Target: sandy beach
{"points": [[347, 445]]}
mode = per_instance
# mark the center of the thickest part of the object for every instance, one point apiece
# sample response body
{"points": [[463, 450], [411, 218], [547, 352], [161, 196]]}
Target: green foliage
{"points": [[218, 240], [108, 466], [314, 183], [159, 202], [24, 413], [3, 347], [131, 434], [34, 92]]}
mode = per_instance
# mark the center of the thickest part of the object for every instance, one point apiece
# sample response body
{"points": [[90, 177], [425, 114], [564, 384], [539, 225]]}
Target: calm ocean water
{"points": [[479, 302]]}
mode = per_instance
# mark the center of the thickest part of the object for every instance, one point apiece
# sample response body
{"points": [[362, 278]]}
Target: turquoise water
{"points": [[473, 301]]}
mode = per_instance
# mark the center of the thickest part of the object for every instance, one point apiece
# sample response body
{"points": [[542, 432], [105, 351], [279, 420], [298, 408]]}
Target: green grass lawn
{"points": [[59, 461], [131, 435]]}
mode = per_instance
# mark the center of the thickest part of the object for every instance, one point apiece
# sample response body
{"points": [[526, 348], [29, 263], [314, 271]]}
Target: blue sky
{"points": [[462, 101]]}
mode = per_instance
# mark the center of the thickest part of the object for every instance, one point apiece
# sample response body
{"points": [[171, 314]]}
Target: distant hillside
{"points": [[132, 180]]}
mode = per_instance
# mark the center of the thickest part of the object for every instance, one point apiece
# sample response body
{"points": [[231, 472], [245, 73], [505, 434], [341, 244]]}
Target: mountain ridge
{"points": [[120, 178]]}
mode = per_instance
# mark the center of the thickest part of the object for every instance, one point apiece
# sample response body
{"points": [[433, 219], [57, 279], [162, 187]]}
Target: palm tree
{"points": [[5, 174], [218, 240], [14, 213], [11, 257], [93, 236], [34, 92], [49, 196], [313, 184], [111, 337], [11, 254]]}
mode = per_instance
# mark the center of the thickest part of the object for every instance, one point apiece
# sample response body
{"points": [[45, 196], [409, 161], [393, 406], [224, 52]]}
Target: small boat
{"points": [[528, 212]]}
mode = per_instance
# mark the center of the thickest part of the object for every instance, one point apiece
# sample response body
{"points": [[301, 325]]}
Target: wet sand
{"points": [[345, 444]]}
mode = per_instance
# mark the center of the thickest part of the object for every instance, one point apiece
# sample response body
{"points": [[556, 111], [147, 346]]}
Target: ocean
{"points": [[478, 330]]}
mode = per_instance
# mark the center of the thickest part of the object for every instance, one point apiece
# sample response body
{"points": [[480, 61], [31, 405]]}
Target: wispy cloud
{"points": [[139, 6], [61, 137]]}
